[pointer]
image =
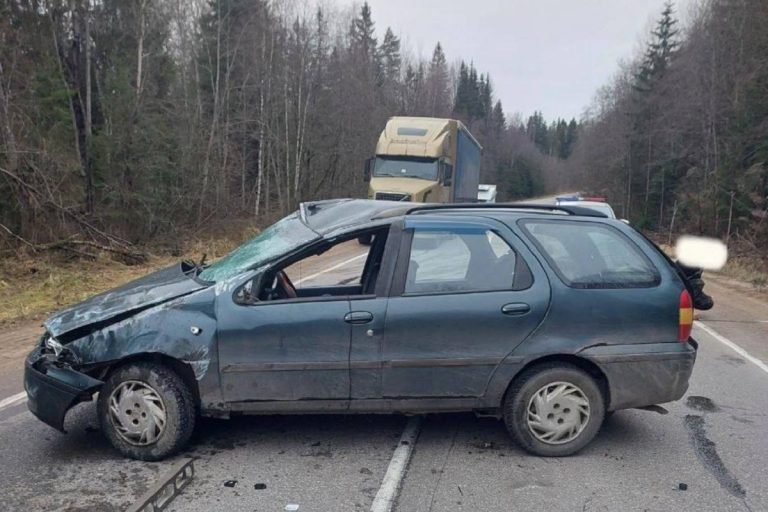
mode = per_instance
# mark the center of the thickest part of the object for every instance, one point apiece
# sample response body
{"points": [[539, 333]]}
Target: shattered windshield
{"points": [[281, 237]]}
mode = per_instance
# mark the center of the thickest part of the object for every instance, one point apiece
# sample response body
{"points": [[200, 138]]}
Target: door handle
{"points": [[515, 308], [358, 317]]}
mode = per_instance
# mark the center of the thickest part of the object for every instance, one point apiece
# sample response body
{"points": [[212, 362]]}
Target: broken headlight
{"points": [[53, 345]]}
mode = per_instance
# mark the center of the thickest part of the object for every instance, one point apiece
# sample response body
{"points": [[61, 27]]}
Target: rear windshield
{"points": [[592, 255]]}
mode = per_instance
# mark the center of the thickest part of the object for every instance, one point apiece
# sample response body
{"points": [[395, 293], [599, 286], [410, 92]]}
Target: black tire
{"points": [[523, 389], [178, 403]]}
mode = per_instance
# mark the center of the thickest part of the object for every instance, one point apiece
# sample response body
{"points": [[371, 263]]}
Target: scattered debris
{"points": [[230, 483], [485, 445], [683, 487], [170, 485], [291, 507], [460, 491], [654, 408], [259, 487], [366, 471], [701, 403]]}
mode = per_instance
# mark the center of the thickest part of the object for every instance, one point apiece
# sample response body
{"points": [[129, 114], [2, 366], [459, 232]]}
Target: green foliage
{"points": [[145, 119]]}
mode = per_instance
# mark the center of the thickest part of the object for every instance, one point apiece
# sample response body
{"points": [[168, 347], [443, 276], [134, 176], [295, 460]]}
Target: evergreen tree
{"points": [[438, 99], [498, 122], [390, 56], [363, 43], [659, 52]]}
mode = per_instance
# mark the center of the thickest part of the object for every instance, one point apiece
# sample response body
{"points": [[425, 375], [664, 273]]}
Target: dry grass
{"points": [[748, 270], [34, 285]]}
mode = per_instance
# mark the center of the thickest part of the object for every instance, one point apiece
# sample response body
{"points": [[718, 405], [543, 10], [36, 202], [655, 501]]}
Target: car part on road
{"points": [[554, 410], [170, 485], [146, 411]]}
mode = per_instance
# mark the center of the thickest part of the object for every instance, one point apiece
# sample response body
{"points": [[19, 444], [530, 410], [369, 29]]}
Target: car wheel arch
{"points": [[588, 366], [182, 369]]}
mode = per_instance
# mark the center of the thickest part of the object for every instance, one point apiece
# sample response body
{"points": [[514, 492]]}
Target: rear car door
{"points": [[466, 292]]}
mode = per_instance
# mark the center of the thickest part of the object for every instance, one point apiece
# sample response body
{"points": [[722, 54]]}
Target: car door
{"points": [[284, 349], [466, 292]]}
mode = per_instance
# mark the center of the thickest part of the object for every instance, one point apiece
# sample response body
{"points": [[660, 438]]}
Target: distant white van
{"points": [[486, 193]]}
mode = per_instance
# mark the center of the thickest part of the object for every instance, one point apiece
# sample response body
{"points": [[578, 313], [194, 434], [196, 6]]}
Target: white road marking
{"points": [[728, 343], [329, 269], [390, 486], [18, 398]]}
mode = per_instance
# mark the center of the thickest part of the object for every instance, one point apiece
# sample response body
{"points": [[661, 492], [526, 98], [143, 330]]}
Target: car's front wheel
{"points": [[554, 410], [146, 411]]}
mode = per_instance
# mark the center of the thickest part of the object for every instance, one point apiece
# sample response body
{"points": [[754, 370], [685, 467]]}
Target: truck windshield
{"points": [[406, 167]]}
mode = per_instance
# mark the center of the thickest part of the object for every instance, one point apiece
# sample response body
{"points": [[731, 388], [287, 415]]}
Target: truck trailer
{"points": [[424, 159]]}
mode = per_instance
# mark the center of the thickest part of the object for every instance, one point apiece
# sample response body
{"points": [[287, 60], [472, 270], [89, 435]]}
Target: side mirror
{"points": [[368, 169], [447, 175], [701, 252]]}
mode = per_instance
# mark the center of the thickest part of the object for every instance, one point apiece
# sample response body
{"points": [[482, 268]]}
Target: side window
{"points": [[342, 264], [592, 255], [445, 261]]}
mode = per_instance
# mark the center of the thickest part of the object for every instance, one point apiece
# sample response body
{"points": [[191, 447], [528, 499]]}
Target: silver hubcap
{"points": [[558, 413], [137, 412]]}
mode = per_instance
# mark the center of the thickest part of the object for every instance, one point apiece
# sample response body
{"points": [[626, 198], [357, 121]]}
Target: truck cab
{"points": [[423, 159]]}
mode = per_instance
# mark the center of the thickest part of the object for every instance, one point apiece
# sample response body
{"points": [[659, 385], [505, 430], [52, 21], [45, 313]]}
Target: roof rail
{"points": [[570, 210]]}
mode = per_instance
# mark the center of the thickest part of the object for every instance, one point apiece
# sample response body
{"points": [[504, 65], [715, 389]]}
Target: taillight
{"points": [[686, 317]]}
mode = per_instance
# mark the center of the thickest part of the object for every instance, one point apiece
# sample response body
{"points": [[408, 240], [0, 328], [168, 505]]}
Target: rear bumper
{"points": [[53, 390], [642, 375]]}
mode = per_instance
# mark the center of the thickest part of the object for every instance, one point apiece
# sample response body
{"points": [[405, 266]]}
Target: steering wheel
{"points": [[283, 286]]}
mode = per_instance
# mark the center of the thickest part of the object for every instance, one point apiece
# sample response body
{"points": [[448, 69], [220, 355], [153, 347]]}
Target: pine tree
{"points": [[498, 122], [659, 52], [389, 53], [363, 42], [438, 100]]}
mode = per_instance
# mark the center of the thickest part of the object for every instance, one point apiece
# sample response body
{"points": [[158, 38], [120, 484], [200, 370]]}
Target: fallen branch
{"points": [[71, 244]]}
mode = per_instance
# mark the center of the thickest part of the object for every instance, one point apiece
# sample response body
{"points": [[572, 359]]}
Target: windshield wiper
{"points": [[199, 267]]}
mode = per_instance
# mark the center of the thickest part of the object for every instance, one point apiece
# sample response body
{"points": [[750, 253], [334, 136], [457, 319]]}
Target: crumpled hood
{"points": [[147, 291]]}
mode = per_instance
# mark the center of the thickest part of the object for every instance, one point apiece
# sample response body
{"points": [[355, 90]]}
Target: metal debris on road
{"points": [[170, 485]]}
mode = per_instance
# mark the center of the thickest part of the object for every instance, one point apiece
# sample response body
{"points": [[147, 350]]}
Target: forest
{"points": [[679, 139], [131, 124]]}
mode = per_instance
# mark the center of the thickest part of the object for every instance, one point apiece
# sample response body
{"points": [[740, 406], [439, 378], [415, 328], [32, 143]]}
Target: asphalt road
{"points": [[707, 453]]}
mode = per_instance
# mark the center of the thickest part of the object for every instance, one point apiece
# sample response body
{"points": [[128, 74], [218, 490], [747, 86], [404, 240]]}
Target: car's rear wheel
{"points": [[146, 411], [554, 410]]}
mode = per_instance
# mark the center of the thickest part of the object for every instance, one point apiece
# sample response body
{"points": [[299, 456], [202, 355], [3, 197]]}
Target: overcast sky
{"points": [[547, 55]]}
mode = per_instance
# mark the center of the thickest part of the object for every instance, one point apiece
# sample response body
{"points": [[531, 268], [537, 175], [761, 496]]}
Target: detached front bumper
{"points": [[641, 375], [52, 390]]}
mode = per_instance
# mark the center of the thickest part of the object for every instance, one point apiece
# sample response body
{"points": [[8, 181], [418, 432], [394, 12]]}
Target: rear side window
{"points": [[592, 255], [448, 261]]}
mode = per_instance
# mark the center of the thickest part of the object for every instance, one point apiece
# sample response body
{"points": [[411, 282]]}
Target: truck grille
{"points": [[391, 196]]}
